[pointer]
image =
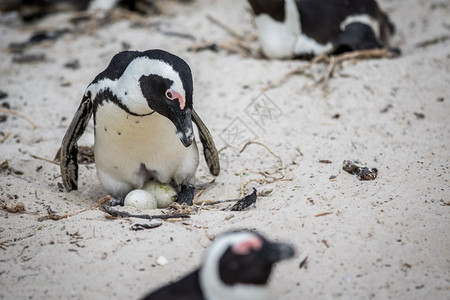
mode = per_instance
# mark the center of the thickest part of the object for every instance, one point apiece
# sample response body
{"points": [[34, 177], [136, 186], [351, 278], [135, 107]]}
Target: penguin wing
{"points": [[209, 148], [69, 148]]}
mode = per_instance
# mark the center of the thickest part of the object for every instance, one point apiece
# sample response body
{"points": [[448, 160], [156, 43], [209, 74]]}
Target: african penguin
{"points": [[305, 28], [236, 266], [142, 107]]}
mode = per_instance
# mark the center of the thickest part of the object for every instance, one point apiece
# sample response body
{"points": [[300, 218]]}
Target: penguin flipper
{"points": [[69, 148], [209, 148]]}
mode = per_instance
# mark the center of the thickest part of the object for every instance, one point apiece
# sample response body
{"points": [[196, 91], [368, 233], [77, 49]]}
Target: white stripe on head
{"points": [[364, 19], [127, 88], [212, 285]]}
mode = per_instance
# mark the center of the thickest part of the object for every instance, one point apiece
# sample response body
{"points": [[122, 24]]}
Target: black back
{"points": [[321, 20], [187, 288], [274, 8]]}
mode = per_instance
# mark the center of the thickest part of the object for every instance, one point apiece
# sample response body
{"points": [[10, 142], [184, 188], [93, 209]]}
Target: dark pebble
{"points": [[3, 95], [73, 64], [29, 58], [419, 115]]}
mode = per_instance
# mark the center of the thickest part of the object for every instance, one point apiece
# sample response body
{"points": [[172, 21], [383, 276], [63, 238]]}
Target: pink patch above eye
{"points": [[172, 95], [246, 246]]}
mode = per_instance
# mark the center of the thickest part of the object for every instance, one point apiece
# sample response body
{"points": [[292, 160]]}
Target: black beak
{"points": [[279, 251], [183, 123]]}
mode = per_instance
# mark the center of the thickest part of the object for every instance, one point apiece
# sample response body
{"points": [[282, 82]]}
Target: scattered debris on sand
{"points": [[123, 214], [362, 172], [245, 202], [37, 38], [12, 207], [151, 225]]}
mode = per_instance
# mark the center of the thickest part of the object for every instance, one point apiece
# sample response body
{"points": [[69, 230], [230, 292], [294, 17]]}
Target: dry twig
{"points": [[225, 27], [55, 217], [124, 214], [5, 137], [267, 177], [333, 61], [433, 41], [323, 214], [13, 112], [44, 159], [240, 44]]}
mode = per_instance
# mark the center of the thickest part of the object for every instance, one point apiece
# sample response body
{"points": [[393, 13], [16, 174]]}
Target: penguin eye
{"points": [[169, 95]]}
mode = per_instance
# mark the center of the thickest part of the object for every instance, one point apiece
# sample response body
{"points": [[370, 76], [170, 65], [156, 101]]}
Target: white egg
{"points": [[140, 199], [164, 194]]}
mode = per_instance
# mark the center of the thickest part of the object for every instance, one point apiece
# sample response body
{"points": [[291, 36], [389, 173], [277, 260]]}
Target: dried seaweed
{"points": [[14, 207], [304, 263], [138, 227], [245, 202], [362, 172], [124, 214]]}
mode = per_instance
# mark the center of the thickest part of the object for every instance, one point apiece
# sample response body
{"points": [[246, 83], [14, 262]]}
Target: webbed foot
{"points": [[115, 202], [186, 195]]}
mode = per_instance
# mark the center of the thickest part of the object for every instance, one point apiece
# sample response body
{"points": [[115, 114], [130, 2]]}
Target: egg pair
{"points": [[153, 195]]}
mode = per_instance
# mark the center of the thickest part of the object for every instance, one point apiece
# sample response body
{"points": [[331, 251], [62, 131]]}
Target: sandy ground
{"points": [[382, 239]]}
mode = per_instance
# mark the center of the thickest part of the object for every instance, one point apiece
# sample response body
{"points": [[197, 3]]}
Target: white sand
{"points": [[384, 239]]}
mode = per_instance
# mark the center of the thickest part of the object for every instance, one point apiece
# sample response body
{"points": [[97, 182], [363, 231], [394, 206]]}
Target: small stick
{"points": [[242, 185], [13, 112], [44, 159], [213, 202], [323, 214], [433, 41], [196, 196], [317, 59], [333, 60], [5, 137], [176, 34], [283, 79], [235, 49], [371, 53], [124, 214], [225, 27], [328, 74], [267, 148], [56, 217]]}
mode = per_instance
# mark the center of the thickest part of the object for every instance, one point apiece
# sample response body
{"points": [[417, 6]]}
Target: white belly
{"points": [[277, 39], [130, 150]]}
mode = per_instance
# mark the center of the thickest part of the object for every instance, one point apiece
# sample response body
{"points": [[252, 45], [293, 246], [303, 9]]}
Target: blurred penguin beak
{"points": [[280, 251]]}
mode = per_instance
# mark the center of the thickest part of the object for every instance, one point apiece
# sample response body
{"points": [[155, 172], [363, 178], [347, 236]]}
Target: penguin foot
{"points": [[186, 195], [115, 202], [395, 51]]}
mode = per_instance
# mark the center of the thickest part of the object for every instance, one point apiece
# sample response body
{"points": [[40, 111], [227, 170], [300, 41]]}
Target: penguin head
{"points": [[143, 83], [165, 94], [239, 264]]}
